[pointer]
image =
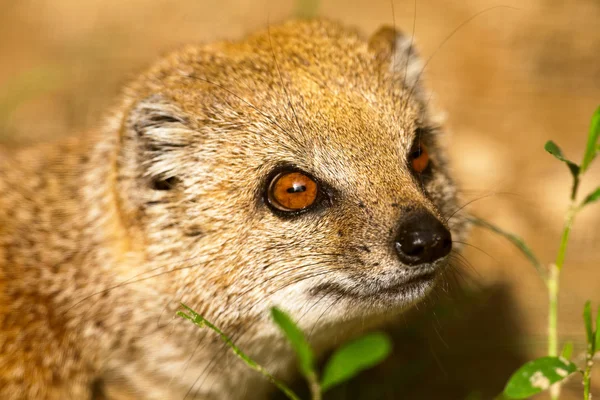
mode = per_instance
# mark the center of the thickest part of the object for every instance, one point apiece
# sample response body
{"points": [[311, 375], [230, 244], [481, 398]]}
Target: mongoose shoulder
{"points": [[298, 167]]}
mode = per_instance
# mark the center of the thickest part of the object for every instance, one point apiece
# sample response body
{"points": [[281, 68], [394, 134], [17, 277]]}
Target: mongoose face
{"points": [[299, 167]]}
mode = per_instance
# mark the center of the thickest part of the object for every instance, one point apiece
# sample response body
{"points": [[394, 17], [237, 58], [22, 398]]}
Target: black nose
{"points": [[422, 239]]}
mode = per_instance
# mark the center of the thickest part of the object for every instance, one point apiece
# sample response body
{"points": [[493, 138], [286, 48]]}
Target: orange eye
{"points": [[292, 191], [420, 158]]}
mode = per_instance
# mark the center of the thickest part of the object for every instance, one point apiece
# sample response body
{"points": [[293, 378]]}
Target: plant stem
{"points": [[201, 322], [553, 282], [553, 286], [560, 258], [315, 387], [587, 375]]}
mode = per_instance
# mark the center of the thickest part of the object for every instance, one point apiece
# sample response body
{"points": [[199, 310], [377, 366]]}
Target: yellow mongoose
{"points": [[299, 167]]}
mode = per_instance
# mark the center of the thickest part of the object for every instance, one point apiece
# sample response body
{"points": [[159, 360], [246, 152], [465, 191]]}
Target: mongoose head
{"points": [[299, 167]]}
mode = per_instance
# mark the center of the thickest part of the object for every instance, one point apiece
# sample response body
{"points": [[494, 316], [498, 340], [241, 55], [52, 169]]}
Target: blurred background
{"points": [[516, 75]]}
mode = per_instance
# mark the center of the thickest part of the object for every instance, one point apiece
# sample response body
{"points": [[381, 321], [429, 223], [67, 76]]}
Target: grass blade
{"points": [[567, 351], [587, 319], [597, 343], [201, 322], [591, 198], [592, 147], [515, 240]]}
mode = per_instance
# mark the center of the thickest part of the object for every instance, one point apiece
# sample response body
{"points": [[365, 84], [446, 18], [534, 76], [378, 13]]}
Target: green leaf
{"points": [[296, 339], [476, 395], [591, 198], [553, 149], [597, 344], [587, 320], [201, 322], [355, 357], [592, 147], [538, 375], [515, 240], [567, 350]]}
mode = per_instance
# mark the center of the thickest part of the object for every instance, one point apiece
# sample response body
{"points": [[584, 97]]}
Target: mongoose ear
{"points": [[154, 112], [396, 51], [154, 136]]}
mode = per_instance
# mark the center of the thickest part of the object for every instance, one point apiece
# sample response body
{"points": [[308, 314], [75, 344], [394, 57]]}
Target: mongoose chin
{"points": [[298, 167]]}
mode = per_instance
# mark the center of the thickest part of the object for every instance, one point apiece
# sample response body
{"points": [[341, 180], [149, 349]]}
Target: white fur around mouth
{"points": [[398, 288], [414, 281]]}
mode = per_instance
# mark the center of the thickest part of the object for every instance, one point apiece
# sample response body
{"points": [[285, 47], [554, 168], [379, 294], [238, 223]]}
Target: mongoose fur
{"points": [[103, 236]]}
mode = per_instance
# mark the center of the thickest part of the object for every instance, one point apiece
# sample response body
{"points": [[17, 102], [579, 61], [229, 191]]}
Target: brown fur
{"points": [[94, 260]]}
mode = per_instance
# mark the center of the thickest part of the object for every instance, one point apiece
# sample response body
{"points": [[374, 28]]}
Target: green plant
{"points": [[344, 364], [548, 372], [27, 85], [307, 8]]}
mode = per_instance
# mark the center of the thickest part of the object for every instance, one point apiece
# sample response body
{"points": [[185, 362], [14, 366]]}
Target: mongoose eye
{"points": [[419, 158], [292, 191]]}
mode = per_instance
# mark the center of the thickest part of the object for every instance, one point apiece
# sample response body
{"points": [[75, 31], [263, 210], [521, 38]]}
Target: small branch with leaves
{"points": [[344, 364], [548, 372]]}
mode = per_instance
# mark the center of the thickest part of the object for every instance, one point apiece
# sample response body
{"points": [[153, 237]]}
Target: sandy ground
{"points": [[512, 77]]}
